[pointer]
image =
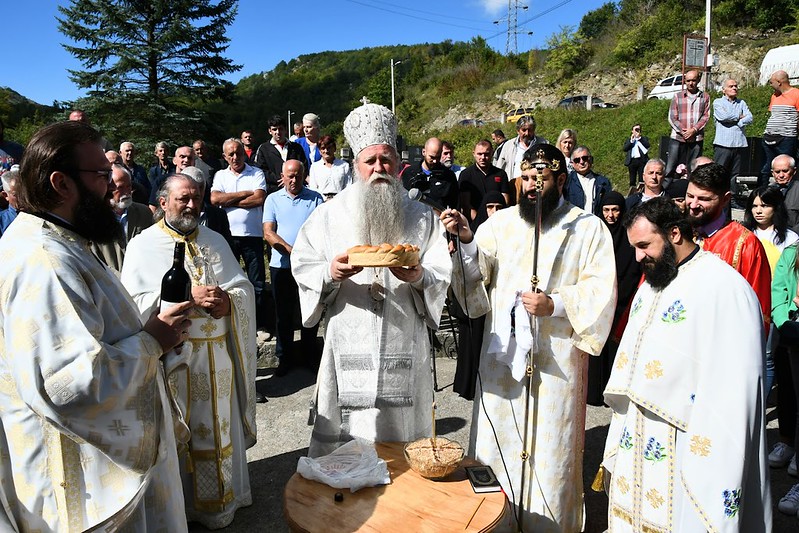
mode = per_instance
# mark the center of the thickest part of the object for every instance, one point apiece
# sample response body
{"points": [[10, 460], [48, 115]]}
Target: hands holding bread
{"points": [[401, 259]]}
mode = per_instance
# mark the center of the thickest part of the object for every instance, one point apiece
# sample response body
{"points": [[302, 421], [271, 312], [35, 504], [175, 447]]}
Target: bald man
{"points": [[184, 157], [431, 177], [781, 128], [688, 115], [285, 211]]}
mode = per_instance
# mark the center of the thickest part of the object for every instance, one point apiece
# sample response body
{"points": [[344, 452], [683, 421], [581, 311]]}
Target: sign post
{"points": [[694, 56]]}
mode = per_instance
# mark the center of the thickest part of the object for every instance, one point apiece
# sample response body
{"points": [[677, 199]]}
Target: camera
{"points": [[419, 181]]}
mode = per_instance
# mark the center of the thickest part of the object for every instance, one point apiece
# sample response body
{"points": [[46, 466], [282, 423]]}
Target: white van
{"points": [[666, 88], [783, 58]]}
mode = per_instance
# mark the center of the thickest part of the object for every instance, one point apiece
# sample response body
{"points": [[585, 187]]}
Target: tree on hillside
{"points": [[163, 56], [596, 22], [566, 53], [5, 105], [762, 14]]}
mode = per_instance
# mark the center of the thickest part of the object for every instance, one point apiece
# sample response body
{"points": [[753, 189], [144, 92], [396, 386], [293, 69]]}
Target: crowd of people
{"points": [[566, 293]]}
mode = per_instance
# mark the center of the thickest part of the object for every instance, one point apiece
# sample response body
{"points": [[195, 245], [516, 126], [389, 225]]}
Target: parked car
{"points": [[666, 88], [579, 102], [512, 115], [476, 122]]}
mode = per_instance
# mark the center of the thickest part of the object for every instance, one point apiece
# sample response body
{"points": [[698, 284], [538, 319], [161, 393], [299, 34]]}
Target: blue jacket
{"points": [[573, 192], [7, 216]]}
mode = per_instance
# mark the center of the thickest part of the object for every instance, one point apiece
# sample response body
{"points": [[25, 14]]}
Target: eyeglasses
{"points": [[103, 173], [584, 159]]}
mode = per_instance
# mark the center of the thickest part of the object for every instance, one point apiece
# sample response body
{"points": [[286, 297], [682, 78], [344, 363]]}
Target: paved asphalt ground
{"points": [[283, 436]]}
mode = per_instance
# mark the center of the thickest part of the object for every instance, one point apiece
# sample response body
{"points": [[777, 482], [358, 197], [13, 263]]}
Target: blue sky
{"points": [[266, 32]]}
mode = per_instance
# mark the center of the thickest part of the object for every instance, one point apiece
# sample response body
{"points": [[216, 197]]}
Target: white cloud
{"points": [[494, 6]]}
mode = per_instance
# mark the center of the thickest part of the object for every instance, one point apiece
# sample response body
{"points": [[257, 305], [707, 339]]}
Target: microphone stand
{"points": [[525, 455]]}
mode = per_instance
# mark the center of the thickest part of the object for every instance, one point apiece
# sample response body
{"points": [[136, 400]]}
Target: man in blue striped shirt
{"points": [[732, 115]]}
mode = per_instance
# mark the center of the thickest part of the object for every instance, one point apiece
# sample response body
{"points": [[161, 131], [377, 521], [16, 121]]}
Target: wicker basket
{"points": [[433, 462]]}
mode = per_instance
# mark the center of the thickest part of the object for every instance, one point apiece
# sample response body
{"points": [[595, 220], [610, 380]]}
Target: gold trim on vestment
{"points": [[239, 353]]}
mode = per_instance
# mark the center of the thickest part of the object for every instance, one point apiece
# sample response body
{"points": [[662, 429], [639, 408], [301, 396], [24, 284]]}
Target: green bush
{"points": [[567, 54], [658, 35]]}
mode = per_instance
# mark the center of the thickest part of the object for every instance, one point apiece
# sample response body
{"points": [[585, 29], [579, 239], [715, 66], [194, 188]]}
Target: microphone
{"points": [[419, 196]]}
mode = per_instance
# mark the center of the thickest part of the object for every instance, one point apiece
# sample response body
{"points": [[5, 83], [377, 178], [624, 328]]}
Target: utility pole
{"points": [[708, 60], [393, 63], [511, 43]]}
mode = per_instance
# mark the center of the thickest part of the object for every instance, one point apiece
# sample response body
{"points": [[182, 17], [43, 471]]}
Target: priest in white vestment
{"points": [[686, 446], [375, 377], [86, 430], [570, 318], [216, 391]]}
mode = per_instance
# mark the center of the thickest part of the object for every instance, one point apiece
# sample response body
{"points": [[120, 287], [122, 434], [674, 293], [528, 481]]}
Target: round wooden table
{"points": [[409, 503]]}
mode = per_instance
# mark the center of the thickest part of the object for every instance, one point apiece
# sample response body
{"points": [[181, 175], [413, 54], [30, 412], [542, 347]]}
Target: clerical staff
{"points": [[539, 167]]}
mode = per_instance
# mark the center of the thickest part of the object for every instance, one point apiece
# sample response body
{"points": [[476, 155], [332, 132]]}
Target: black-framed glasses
{"points": [[584, 159], [103, 173]]}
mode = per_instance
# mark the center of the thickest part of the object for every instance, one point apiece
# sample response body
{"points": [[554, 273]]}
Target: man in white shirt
{"points": [[241, 190]]}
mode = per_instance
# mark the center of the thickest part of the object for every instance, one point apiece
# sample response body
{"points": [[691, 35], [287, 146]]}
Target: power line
{"points": [[416, 17], [533, 17], [426, 12]]}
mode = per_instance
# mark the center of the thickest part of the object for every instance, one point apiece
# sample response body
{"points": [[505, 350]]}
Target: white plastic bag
{"points": [[353, 466]]}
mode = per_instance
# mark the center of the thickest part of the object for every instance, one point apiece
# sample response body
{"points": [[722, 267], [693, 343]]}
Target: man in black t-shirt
{"points": [[479, 179]]}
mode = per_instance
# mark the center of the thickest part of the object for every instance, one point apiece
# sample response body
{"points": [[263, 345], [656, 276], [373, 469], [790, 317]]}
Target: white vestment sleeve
{"points": [[310, 266], [471, 266]]}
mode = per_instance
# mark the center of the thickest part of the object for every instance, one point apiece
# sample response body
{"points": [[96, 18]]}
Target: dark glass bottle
{"points": [[176, 284]]}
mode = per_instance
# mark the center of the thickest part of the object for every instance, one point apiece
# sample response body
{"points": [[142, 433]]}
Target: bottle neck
{"points": [[180, 253]]}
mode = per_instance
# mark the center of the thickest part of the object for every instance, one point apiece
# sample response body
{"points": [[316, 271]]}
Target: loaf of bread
{"points": [[385, 255]]}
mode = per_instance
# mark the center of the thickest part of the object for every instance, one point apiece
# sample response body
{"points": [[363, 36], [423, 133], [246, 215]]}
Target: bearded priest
{"points": [[213, 377], [86, 429], [375, 377], [687, 442], [562, 320]]}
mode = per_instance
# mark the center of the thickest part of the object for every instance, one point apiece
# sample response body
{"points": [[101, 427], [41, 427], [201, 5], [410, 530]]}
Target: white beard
{"points": [[123, 203], [380, 215], [184, 222]]}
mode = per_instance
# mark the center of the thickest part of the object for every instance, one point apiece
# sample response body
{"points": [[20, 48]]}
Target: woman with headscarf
{"points": [[470, 330], [628, 274]]}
